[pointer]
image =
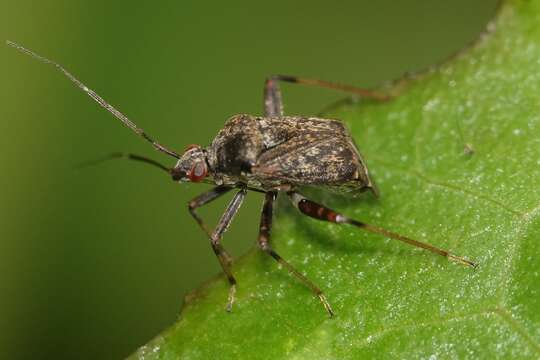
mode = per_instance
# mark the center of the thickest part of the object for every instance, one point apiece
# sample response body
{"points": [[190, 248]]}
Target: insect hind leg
{"points": [[363, 92], [273, 106], [320, 212]]}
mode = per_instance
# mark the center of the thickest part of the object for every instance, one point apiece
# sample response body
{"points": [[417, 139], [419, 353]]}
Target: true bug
{"points": [[269, 154]]}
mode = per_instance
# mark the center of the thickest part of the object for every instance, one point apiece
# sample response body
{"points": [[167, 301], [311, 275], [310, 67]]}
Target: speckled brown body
{"points": [[286, 152]]}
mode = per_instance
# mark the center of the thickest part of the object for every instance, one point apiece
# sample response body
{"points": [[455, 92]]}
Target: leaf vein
{"points": [[506, 316], [500, 312], [525, 220], [368, 340], [455, 188]]}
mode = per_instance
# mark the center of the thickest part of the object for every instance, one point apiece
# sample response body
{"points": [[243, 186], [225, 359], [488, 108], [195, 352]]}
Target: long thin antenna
{"points": [[123, 118], [121, 155]]}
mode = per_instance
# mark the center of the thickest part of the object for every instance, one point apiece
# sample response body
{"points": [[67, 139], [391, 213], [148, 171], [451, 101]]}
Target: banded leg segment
{"points": [[320, 212], [215, 236], [273, 105], [264, 243]]}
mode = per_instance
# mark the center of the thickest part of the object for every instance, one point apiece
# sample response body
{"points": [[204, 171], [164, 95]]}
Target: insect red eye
{"points": [[198, 172]]}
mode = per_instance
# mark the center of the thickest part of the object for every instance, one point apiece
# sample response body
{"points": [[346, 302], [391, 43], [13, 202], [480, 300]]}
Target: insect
{"points": [[269, 154]]}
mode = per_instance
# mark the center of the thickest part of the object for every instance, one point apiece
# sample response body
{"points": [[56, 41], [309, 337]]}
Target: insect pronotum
{"points": [[269, 154]]}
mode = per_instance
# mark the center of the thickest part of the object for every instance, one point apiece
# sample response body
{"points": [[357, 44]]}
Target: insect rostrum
{"points": [[269, 154]]}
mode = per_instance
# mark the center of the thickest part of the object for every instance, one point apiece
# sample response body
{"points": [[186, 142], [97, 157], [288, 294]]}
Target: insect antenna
{"points": [[120, 155], [123, 118]]}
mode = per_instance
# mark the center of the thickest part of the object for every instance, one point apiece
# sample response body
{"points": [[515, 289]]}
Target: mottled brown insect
{"points": [[270, 154]]}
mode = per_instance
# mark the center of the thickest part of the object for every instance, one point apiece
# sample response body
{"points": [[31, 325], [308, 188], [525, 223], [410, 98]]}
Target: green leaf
{"points": [[392, 300]]}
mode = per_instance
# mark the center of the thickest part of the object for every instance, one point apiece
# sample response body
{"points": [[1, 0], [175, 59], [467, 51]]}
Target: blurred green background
{"points": [[95, 262]]}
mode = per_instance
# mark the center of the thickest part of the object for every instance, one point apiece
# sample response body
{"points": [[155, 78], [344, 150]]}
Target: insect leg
{"points": [[264, 243], [272, 98], [320, 212], [372, 94], [215, 236]]}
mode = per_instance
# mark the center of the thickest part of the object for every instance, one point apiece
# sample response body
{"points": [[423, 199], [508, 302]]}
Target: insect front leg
{"points": [[320, 212], [215, 236], [264, 243]]}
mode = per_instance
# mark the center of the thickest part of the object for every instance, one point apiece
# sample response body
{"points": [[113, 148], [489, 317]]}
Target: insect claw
{"points": [[462, 261], [326, 304], [230, 302]]}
